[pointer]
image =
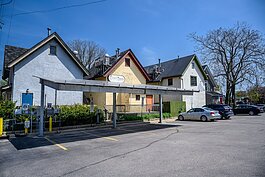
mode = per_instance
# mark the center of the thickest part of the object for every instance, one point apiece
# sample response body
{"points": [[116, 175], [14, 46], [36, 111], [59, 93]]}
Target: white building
{"points": [[50, 58], [185, 73]]}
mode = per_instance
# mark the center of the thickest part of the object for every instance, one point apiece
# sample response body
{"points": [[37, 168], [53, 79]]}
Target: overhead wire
{"points": [[10, 22], [9, 2], [59, 8]]}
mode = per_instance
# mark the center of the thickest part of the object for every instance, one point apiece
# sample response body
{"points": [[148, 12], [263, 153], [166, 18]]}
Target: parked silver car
{"points": [[204, 114]]}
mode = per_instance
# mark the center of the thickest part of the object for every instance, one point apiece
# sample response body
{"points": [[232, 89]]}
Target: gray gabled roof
{"points": [[17, 54], [209, 75], [10, 54], [171, 68]]}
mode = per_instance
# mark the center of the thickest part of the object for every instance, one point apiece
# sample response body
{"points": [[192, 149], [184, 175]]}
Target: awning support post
{"points": [[160, 109], [41, 108], [55, 98], [114, 115]]}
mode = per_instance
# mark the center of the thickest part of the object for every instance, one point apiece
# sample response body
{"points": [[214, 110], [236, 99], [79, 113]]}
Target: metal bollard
{"points": [[50, 124], [26, 126]]}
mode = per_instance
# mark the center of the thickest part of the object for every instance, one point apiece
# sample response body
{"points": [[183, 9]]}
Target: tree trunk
{"points": [[233, 95], [227, 94]]}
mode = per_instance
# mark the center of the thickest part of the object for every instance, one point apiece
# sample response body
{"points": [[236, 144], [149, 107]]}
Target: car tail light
{"points": [[212, 113]]}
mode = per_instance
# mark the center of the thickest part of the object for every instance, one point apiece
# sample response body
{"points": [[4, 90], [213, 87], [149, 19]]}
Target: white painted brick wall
{"points": [[42, 64], [199, 98]]}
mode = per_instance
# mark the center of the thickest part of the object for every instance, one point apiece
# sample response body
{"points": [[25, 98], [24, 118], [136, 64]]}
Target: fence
{"points": [[133, 108]]}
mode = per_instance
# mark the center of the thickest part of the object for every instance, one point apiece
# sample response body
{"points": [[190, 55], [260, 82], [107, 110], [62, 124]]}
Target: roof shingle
{"points": [[12, 52], [171, 68]]}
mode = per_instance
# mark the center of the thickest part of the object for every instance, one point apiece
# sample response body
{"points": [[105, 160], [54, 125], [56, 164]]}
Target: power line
{"points": [[59, 8], [10, 23], [3, 4]]}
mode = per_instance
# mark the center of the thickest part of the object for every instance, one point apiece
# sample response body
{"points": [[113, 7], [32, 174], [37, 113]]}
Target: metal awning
{"points": [[104, 86]]}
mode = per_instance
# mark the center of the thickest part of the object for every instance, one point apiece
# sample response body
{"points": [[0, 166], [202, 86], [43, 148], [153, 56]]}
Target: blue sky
{"points": [[151, 28]]}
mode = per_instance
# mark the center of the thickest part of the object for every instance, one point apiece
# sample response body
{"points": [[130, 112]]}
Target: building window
{"points": [[193, 65], [193, 80], [170, 81], [52, 50], [127, 62], [137, 97]]}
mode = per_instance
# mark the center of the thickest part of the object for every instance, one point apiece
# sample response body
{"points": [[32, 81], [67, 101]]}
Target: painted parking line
{"points": [[104, 137], [56, 144]]}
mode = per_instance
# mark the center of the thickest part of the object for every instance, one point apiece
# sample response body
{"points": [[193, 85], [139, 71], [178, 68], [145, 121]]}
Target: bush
{"points": [[7, 109], [152, 116], [78, 114], [129, 117]]}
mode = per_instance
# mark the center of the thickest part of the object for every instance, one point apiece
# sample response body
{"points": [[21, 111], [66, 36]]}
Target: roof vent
{"points": [[75, 52], [49, 31], [117, 53]]}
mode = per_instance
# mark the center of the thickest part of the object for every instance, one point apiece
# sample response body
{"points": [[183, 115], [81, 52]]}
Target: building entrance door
{"points": [[149, 102]]}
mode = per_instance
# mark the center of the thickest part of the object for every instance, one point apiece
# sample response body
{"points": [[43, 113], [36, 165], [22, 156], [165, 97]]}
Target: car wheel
{"points": [[181, 118], [204, 118], [251, 113]]}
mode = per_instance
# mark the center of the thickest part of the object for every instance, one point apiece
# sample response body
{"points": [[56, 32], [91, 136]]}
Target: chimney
{"points": [[117, 53], [49, 31], [159, 65]]}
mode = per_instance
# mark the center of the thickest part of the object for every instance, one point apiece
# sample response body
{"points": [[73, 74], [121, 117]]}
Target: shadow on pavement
{"points": [[78, 135]]}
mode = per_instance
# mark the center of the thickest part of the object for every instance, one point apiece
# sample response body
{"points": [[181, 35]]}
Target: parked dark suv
{"points": [[246, 109], [224, 110]]}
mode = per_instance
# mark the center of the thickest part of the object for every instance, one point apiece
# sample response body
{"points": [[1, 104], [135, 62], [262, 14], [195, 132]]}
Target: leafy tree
{"points": [[236, 54], [241, 94], [7, 109], [253, 94]]}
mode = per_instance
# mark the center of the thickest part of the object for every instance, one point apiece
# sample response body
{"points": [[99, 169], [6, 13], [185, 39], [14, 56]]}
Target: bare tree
{"points": [[88, 51], [236, 55]]}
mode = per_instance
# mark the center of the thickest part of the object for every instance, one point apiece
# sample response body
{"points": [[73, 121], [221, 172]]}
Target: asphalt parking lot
{"points": [[233, 147]]}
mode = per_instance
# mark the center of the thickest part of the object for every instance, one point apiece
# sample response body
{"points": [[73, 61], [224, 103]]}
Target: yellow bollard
{"points": [[26, 126], [1, 126], [50, 124]]}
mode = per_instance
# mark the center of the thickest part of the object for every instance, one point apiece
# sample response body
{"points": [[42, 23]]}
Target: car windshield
{"points": [[191, 110]]}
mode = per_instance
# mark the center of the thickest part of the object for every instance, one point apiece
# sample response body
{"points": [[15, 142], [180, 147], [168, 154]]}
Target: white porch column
{"points": [[41, 108], [114, 114], [160, 109]]}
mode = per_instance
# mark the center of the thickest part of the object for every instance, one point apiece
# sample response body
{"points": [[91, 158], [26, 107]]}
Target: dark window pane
{"points": [[138, 97], [193, 80], [53, 50], [127, 62], [170, 81]]}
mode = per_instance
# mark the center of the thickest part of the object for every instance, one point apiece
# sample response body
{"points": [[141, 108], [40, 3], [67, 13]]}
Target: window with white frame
{"points": [[52, 50], [193, 65], [193, 80]]}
